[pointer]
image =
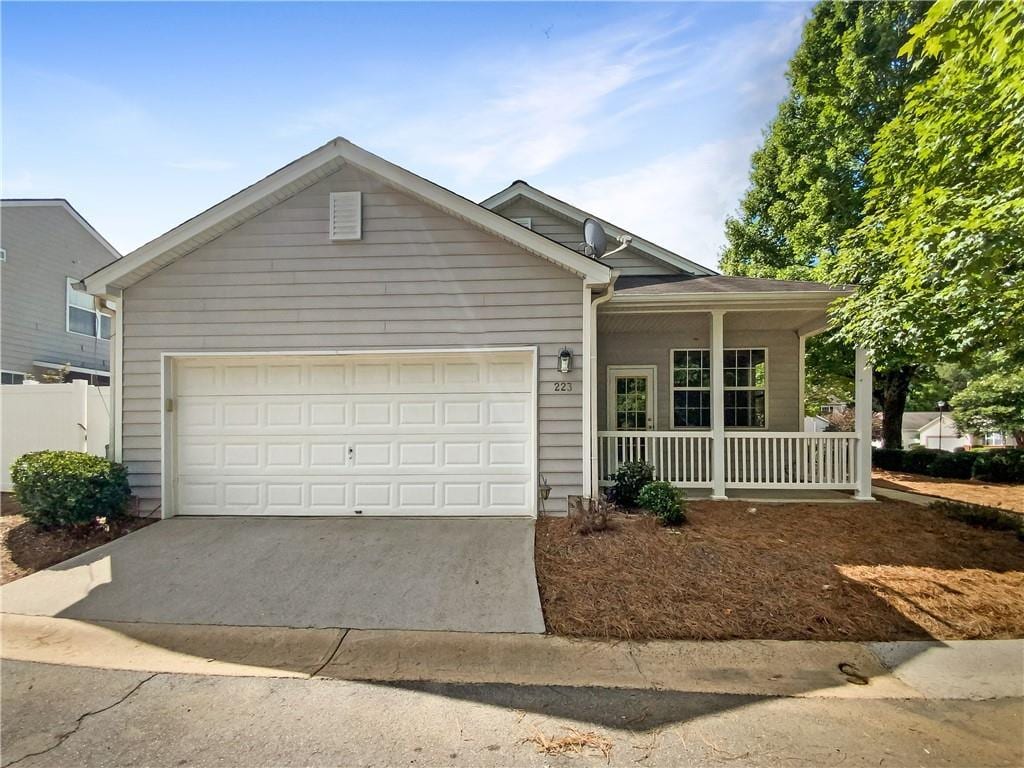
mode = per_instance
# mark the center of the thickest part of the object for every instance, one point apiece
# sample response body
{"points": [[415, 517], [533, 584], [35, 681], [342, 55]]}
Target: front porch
{"points": [[704, 379]]}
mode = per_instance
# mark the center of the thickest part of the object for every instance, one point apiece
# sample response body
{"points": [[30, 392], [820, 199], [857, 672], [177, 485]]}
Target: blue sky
{"points": [[142, 115]]}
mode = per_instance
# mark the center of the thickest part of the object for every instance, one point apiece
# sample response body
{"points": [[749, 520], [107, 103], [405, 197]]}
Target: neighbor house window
{"points": [[83, 316], [744, 378], [10, 377], [691, 388]]}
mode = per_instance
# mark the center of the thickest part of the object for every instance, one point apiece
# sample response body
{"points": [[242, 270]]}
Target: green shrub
{"points": [[888, 458], [958, 465], [1003, 466], [630, 478], [664, 501], [918, 460], [982, 517], [61, 489]]}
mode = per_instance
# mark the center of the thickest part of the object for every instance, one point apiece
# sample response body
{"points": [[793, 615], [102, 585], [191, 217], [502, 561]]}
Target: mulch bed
{"points": [[882, 571], [25, 549], [1000, 495]]}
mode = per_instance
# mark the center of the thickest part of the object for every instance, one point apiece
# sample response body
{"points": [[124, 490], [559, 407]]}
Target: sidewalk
{"points": [[971, 670]]}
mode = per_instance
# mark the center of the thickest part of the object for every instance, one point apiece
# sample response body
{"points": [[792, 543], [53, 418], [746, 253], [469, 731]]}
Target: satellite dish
{"points": [[596, 242]]}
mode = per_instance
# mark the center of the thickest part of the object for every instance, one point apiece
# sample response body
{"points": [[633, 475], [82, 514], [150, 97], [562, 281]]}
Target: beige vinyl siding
{"points": [[417, 278], [570, 234], [646, 339], [45, 245]]}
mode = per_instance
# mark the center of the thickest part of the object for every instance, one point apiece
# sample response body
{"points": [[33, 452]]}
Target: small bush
{"points": [[918, 460], [958, 465], [63, 489], [1003, 466], [888, 458], [630, 478], [664, 501], [982, 517]]}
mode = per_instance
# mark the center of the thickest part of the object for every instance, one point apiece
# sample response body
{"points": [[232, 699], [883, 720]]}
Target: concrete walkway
{"points": [[951, 670], [472, 575]]}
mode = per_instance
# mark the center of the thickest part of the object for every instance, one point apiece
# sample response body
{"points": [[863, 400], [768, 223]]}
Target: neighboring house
{"points": [[345, 337], [47, 325], [925, 428], [815, 424]]}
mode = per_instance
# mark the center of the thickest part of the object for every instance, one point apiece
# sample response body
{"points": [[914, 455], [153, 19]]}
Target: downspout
{"points": [[591, 483]]}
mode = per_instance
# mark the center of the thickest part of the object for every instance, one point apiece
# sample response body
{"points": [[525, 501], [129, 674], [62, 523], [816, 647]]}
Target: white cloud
{"points": [[679, 201]]}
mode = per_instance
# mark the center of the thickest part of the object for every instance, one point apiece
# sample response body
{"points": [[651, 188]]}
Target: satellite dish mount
{"points": [[595, 241]]}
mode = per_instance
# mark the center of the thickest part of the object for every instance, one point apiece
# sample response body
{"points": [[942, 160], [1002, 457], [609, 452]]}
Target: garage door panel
{"points": [[388, 435], [380, 494], [445, 373], [360, 414]]}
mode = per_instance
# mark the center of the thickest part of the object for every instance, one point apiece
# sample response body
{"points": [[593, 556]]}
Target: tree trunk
{"points": [[893, 390]]}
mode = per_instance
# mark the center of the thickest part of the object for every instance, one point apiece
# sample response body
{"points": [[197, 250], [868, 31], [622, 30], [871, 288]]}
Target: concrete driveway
{"points": [[471, 575]]}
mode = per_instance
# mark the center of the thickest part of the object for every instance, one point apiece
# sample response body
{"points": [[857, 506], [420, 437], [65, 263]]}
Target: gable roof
{"points": [[305, 172], [520, 189], [915, 421], [60, 202]]}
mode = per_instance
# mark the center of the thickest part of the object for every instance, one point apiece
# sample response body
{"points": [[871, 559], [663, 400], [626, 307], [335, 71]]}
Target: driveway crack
{"points": [[81, 719]]}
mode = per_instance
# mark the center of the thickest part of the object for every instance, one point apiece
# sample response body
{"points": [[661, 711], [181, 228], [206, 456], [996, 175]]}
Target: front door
{"points": [[631, 398]]}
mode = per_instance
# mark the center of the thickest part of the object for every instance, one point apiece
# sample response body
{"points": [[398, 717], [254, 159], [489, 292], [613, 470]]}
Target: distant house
{"points": [[47, 325], [926, 429]]}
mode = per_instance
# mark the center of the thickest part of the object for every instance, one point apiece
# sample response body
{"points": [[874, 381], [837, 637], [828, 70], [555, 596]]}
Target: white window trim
{"points": [[635, 370], [673, 388], [15, 373], [96, 322]]}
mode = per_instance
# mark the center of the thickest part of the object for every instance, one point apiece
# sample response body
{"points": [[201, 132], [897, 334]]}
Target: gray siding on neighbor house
{"points": [[45, 245], [417, 278], [570, 234], [646, 339]]}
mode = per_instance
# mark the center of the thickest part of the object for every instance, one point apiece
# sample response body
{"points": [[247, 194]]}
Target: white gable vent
{"points": [[524, 222], [346, 216]]}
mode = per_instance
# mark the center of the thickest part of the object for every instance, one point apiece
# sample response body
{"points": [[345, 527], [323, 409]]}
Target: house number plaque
{"points": [[563, 386]]}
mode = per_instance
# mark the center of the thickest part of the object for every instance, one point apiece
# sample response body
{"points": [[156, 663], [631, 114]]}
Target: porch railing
{"points": [[681, 458], [785, 460]]}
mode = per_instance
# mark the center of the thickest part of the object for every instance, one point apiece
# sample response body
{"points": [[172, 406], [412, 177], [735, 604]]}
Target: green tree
{"points": [[808, 183], [993, 403], [940, 252]]}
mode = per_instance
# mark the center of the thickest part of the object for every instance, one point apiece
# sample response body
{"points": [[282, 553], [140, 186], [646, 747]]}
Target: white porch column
{"points": [[863, 415], [717, 405]]}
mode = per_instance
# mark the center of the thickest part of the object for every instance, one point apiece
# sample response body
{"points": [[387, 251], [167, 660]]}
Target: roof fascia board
{"points": [[761, 297], [61, 203], [521, 189], [98, 282]]}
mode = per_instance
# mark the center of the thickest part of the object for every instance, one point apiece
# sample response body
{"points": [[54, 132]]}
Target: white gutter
{"points": [[727, 296], [590, 447]]}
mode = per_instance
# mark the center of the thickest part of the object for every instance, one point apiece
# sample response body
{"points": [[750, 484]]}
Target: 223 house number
{"points": [[563, 386]]}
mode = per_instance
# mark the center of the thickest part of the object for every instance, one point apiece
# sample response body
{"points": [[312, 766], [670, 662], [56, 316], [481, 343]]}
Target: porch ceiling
{"points": [[696, 322]]}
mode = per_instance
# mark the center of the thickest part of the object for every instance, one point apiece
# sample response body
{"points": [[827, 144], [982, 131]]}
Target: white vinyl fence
{"points": [[57, 417]]}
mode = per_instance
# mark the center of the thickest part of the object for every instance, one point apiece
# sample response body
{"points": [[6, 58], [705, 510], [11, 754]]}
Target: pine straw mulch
{"points": [[1008, 496], [25, 549], [875, 571]]}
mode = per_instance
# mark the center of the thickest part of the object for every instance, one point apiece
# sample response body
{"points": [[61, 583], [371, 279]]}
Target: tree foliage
{"points": [[993, 403], [940, 252], [808, 180]]}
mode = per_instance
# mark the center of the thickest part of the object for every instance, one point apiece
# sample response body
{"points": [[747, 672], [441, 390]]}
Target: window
{"points": [[9, 377], [744, 379], [691, 388], [83, 317]]}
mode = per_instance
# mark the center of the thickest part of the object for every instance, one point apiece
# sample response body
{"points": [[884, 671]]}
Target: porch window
{"points": [[745, 382], [691, 388], [744, 379]]}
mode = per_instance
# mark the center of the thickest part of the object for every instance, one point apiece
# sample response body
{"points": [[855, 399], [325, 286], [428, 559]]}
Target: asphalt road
{"points": [[74, 716]]}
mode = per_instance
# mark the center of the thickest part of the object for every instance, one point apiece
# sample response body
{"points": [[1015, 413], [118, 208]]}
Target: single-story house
{"points": [[345, 337], [932, 430]]}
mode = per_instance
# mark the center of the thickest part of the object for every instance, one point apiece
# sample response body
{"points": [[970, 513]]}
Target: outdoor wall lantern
{"points": [[565, 360]]}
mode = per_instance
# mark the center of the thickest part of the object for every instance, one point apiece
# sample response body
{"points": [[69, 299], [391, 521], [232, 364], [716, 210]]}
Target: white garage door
{"points": [[398, 434]]}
